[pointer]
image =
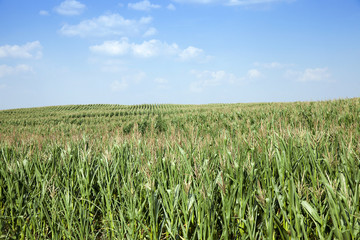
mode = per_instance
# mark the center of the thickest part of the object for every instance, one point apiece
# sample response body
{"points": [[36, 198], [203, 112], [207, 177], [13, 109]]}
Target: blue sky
{"points": [[56, 52]]}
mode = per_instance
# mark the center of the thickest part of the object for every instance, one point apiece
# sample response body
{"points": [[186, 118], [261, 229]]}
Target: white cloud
{"points": [[190, 52], [112, 48], [254, 73], [309, 74], [2, 86], [107, 25], [28, 50], [70, 7], [44, 13], [171, 7], [150, 32], [154, 48], [6, 70], [212, 79], [146, 49], [143, 6]]}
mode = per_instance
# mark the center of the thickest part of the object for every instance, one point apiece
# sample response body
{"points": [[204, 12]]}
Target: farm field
{"points": [[217, 171]]}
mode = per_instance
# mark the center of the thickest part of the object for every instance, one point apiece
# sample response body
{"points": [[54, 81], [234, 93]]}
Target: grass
{"points": [[223, 171]]}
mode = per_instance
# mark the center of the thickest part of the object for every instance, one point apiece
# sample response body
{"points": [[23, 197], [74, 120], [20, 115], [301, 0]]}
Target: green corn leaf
{"points": [[313, 213]]}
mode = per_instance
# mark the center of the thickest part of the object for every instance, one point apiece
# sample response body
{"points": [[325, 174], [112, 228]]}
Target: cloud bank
{"points": [[107, 25], [28, 50], [143, 6], [70, 7], [146, 49]]}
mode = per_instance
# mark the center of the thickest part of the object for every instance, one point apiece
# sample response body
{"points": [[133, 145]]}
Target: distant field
{"points": [[220, 171]]}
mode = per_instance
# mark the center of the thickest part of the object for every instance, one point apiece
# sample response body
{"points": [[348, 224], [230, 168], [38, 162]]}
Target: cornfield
{"points": [[219, 171]]}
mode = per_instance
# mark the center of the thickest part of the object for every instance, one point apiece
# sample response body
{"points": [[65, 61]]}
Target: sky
{"points": [[56, 52]]}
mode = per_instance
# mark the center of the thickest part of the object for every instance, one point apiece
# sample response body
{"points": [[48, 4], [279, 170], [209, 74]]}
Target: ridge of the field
{"points": [[102, 118], [119, 107], [113, 110], [76, 114], [66, 112]]}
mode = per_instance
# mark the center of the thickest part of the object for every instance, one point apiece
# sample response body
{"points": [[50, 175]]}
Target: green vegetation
{"points": [[223, 171]]}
